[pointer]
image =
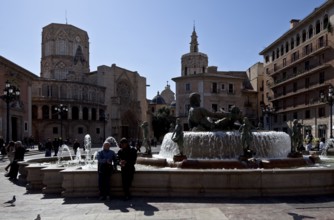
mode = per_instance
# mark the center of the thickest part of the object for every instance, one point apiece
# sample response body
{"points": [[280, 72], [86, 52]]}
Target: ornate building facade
{"points": [[219, 90], [298, 69], [94, 103], [19, 110]]}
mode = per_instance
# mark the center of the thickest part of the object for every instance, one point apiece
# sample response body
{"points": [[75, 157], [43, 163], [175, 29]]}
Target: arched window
{"points": [[292, 43], [273, 55], [310, 32], [282, 50], [277, 52], [304, 36], [85, 113], [297, 40], [75, 113], [317, 27], [325, 22]]}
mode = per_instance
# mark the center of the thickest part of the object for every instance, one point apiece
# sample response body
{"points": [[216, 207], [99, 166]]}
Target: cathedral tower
{"points": [[65, 52], [194, 62]]}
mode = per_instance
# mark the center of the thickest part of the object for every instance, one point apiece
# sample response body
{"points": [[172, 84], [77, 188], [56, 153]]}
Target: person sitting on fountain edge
{"points": [[198, 116], [107, 164], [127, 157]]}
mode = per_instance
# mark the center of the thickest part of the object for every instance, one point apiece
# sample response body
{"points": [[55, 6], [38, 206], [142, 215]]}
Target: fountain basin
{"points": [[171, 181]]}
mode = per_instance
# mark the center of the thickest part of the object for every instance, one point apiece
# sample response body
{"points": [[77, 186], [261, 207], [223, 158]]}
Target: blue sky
{"points": [[150, 36]]}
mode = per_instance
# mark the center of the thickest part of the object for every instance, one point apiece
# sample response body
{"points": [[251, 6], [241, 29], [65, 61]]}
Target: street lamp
{"points": [[10, 93], [329, 100], [60, 109], [268, 111]]}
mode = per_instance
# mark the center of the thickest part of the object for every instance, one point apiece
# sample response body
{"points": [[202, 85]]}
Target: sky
{"points": [[150, 36]]}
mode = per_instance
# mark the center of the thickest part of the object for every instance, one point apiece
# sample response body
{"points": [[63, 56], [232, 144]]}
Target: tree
{"points": [[162, 119]]}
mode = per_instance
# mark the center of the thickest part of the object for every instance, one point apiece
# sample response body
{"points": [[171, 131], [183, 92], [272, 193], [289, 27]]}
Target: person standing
{"points": [[10, 153], [48, 148], [127, 157], [107, 164], [19, 156], [2, 146]]}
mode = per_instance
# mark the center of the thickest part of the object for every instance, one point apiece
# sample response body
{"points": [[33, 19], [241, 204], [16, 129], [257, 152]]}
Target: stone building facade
{"points": [[109, 101], [219, 90], [20, 110], [298, 68]]}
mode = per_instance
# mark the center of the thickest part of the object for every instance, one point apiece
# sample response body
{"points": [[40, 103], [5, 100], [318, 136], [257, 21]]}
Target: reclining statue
{"points": [[200, 119]]}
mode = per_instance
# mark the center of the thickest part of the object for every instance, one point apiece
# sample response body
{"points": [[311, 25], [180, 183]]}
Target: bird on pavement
{"points": [[38, 217], [12, 201]]}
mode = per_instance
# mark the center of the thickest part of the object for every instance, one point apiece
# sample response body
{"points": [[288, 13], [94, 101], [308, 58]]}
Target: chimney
{"points": [[293, 23]]}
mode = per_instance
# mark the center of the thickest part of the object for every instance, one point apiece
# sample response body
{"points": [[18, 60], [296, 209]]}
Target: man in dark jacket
{"points": [[127, 157]]}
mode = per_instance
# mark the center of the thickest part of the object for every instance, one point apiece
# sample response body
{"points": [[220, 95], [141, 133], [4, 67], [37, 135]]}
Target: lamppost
{"points": [[267, 111], [104, 117], [329, 100], [10, 93], [60, 109]]}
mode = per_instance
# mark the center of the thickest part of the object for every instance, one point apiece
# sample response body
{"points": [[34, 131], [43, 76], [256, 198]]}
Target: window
{"points": [[321, 77], [307, 49], [304, 36], [80, 130], [277, 52], [321, 42], [325, 22], [214, 88], [321, 112], [297, 40], [310, 32], [284, 90], [317, 27], [187, 87], [294, 56], [284, 62], [307, 114], [282, 50], [275, 66], [214, 107], [273, 55], [307, 65], [267, 59], [223, 86], [295, 86], [230, 88], [294, 70], [292, 43], [97, 130], [286, 47]]}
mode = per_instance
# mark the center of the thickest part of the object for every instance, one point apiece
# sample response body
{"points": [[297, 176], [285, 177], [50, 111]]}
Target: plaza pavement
{"points": [[29, 205]]}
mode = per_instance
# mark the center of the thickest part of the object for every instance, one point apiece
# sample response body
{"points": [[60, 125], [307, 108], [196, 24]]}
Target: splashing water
{"points": [[61, 151], [221, 145]]}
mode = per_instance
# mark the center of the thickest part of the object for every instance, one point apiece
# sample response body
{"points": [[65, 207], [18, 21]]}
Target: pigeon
{"points": [[38, 217], [12, 201]]}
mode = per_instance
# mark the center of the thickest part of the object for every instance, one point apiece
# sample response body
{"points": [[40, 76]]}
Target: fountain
{"points": [[213, 168]]}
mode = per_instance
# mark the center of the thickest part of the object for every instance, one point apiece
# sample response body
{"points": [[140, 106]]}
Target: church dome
{"points": [[158, 100]]}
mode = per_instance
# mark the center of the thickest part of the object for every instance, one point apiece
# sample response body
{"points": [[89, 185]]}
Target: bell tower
{"points": [[194, 62]]}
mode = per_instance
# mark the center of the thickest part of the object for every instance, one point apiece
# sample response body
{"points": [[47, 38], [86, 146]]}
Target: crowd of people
{"points": [[108, 161]]}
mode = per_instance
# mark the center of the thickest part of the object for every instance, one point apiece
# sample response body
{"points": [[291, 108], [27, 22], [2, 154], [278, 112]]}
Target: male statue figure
{"points": [[177, 136], [146, 143]]}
